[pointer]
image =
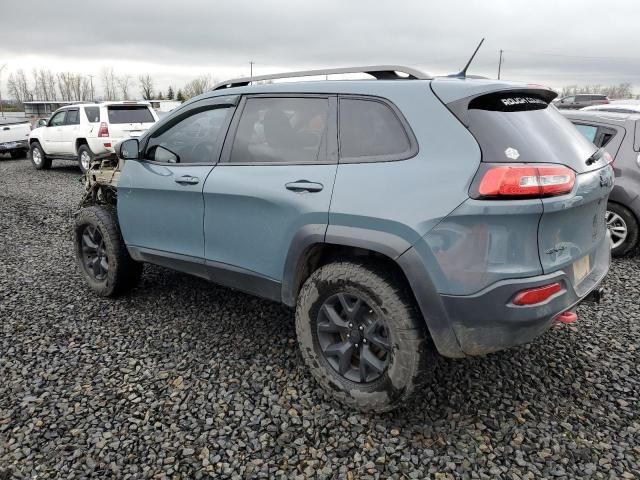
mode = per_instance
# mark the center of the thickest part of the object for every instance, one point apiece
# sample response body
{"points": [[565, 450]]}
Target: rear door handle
{"points": [[187, 180], [304, 186]]}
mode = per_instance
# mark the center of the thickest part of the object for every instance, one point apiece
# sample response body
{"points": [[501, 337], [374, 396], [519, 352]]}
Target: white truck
{"points": [[80, 132], [14, 136]]}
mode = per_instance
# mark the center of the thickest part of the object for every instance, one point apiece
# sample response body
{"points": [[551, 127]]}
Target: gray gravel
{"points": [[183, 379]]}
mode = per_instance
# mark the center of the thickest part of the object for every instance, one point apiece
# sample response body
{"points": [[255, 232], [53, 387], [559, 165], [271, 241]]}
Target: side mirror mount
{"points": [[42, 122], [128, 149]]}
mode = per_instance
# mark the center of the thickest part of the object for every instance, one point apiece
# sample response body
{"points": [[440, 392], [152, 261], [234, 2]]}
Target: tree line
{"points": [[43, 84], [622, 90]]}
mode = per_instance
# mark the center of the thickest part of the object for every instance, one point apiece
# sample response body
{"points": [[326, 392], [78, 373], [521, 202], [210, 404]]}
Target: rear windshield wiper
{"points": [[595, 157]]}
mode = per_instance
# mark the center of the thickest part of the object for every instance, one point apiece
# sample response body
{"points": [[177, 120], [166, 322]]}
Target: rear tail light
{"points": [[522, 181], [608, 157], [104, 130], [533, 296]]}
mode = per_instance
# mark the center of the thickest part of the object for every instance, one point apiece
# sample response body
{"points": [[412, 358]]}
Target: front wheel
{"points": [[362, 336], [38, 157], [623, 227], [101, 253]]}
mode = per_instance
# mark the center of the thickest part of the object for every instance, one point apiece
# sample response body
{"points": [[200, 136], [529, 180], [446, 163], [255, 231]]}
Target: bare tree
{"points": [[19, 87], [109, 84], [198, 86], [146, 86], [123, 84], [622, 90]]}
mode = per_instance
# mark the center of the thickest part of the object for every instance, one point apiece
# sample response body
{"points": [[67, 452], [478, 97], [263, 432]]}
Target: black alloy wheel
{"points": [[94, 253], [353, 338]]}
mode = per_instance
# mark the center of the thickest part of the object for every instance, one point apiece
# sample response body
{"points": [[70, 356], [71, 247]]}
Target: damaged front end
{"points": [[101, 181]]}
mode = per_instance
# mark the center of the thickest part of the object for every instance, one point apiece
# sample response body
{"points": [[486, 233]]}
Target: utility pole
{"points": [[500, 64], [1, 106], [251, 69], [91, 80]]}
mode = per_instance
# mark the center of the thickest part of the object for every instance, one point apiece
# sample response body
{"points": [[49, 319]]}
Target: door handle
{"points": [[304, 186], [187, 180]]}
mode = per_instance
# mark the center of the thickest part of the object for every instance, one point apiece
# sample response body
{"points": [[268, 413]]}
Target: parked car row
{"points": [[80, 132], [14, 136]]}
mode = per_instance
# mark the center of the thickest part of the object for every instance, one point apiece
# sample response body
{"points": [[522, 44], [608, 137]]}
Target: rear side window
{"points": [[73, 117], [281, 130], [370, 130], [588, 131], [129, 114], [93, 114]]}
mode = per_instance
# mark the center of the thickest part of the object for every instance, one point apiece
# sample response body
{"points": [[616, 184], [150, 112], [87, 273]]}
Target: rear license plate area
{"points": [[581, 269]]}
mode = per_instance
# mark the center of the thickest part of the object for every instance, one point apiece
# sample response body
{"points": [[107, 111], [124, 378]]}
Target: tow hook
{"points": [[567, 317], [595, 296]]}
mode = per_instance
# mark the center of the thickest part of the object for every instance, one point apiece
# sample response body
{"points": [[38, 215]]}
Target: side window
{"points": [[281, 130], [73, 117], [568, 99], [57, 119], [194, 139], [93, 114], [371, 131]]}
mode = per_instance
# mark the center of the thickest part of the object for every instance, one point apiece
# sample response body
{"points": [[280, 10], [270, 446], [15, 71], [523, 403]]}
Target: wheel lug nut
{"points": [[360, 328], [350, 325], [364, 340], [356, 345]]}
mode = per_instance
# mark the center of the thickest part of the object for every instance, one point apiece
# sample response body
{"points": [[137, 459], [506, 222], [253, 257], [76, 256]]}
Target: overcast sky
{"points": [[551, 42]]}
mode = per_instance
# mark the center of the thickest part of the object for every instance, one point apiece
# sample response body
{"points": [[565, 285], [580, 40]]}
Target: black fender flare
{"points": [[392, 246]]}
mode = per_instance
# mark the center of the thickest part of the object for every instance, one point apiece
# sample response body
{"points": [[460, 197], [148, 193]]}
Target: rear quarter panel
{"points": [[400, 201]]}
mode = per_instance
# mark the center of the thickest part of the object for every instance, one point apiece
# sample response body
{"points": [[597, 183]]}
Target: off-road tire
{"points": [[631, 242], [124, 272], [18, 154], [84, 149], [412, 354], [45, 162]]}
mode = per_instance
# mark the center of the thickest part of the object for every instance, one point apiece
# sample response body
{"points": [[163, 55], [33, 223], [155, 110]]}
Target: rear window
{"points": [[129, 114], [599, 135], [93, 114], [521, 126], [371, 131]]}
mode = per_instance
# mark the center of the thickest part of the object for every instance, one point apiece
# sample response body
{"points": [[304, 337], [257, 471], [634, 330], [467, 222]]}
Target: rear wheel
{"points": [[101, 253], [362, 336], [85, 156], [38, 157], [623, 227]]}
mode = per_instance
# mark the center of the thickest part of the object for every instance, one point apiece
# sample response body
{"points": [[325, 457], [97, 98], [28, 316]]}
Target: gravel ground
{"points": [[183, 379]]}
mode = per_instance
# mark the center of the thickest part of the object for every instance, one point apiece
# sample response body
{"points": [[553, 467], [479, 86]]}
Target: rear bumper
{"points": [[97, 145], [488, 321], [18, 145]]}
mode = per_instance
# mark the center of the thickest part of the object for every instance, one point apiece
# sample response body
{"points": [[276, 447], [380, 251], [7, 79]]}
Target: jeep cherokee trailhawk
{"points": [[400, 216]]}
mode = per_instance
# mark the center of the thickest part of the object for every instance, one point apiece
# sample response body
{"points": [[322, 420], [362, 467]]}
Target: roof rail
{"points": [[379, 72]]}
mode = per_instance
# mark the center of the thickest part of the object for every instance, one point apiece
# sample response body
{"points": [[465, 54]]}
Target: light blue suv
{"points": [[399, 216]]}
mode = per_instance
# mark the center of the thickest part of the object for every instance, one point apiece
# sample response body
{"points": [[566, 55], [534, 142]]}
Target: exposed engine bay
{"points": [[101, 180]]}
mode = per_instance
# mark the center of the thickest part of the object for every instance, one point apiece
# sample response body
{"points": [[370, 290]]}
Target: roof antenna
{"points": [[463, 72]]}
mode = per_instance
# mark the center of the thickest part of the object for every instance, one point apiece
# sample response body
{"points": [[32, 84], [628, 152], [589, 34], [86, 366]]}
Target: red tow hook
{"points": [[567, 317]]}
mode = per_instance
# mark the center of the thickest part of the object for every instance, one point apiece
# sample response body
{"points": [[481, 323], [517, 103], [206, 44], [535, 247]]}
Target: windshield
{"points": [[130, 114]]}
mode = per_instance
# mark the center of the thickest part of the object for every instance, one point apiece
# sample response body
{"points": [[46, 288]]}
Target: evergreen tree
{"points": [[160, 96], [180, 96], [170, 94]]}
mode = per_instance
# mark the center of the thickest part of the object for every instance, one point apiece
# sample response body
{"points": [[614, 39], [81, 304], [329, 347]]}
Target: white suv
{"points": [[80, 132]]}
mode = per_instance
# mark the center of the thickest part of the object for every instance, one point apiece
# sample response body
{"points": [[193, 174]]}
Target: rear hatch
{"points": [[519, 128], [129, 120]]}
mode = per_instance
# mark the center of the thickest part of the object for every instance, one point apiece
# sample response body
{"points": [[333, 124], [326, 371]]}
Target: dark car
{"points": [[576, 102], [618, 134]]}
